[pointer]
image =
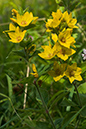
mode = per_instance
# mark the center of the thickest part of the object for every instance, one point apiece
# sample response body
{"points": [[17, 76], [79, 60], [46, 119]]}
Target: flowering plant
{"points": [[47, 85]]}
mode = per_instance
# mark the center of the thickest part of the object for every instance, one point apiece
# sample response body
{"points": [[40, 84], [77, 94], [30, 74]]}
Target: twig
{"points": [[25, 95], [3, 24]]}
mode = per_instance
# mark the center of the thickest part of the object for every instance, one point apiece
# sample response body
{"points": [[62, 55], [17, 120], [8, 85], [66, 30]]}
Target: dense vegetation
{"points": [[42, 64]]}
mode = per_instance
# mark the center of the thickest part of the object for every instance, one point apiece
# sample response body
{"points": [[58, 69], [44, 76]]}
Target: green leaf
{"points": [[45, 69], [25, 80], [70, 98], [9, 86], [54, 96], [83, 112], [70, 117], [82, 88], [67, 102], [44, 94], [58, 122], [57, 99], [20, 53], [2, 84], [82, 99], [3, 100], [11, 63], [3, 126], [66, 118], [83, 67], [74, 5], [4, 95]]}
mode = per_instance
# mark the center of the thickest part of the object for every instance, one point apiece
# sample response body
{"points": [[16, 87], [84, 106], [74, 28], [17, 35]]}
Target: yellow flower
{"points": [[58, 71], [35, 74], [54, 37], [56, 18], [17, 36], [48, 25], [69, 20], [49, 52], [11, 28], [34, 20], [53, 23], [64, 52], [65, 38], [73, 73], [25, 19]]}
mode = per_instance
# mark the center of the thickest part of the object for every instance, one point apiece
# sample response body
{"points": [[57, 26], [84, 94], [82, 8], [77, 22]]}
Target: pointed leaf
{"points": [[72, 118], [9, 86], [82, 88]]}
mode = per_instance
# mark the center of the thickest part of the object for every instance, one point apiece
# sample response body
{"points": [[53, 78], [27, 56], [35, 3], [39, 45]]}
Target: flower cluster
{"points": [[70, 71], [61, 42], [60, 20], [17, 28], [60, 27]]}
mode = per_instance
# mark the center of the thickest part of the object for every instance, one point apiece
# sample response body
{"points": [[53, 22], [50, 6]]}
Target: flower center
{"points": [[63, 40], [62, 51], [23, 23], [71, 73], [50, 55], [58, 72], [18, 38]]}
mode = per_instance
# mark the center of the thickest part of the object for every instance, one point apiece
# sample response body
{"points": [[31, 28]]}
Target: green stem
{"points": [[46, 109], [70, 98], [78, 94]]}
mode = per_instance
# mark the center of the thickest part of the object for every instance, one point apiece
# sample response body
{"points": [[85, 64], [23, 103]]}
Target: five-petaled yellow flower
{"points": [[25, 19], [64, 52], [53, 23], [58, 71], [17, 36], [73, 73], [64, 38], [49, 52], [35, 74], [69, 20]]}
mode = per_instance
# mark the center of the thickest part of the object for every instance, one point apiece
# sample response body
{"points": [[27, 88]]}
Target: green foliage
{"points": [[65, 105], [82, 88]]}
